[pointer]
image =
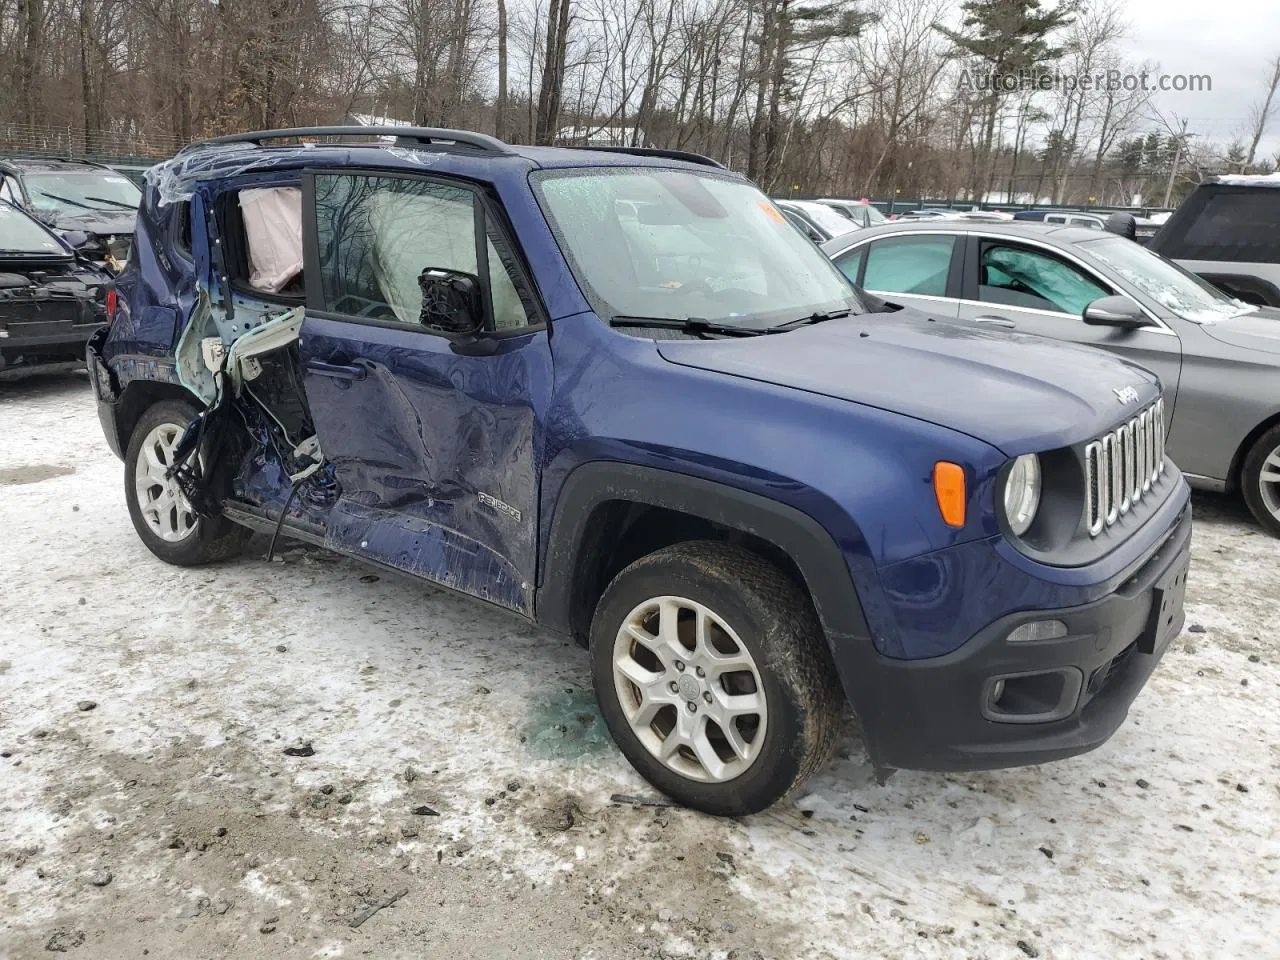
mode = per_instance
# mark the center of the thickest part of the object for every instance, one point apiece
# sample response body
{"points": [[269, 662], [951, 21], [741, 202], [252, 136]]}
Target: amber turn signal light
{"points": [[948, 487]]}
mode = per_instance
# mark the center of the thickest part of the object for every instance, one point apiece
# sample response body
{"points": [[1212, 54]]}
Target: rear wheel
{"points": [[161, 514], [712, 673], [1260, 480]]}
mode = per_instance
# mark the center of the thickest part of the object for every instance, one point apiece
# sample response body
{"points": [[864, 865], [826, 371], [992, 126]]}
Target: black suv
{"points": [[50, 301], [91, 206], [1226, 231]]}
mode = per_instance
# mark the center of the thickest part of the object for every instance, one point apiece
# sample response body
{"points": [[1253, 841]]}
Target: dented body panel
{"points": [[436, 451]]}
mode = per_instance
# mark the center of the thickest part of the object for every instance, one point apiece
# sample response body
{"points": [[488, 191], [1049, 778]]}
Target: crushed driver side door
{"points": [[434, 436]]}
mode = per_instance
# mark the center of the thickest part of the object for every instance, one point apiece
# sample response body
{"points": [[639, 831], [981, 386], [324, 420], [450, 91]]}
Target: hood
{"points": [[1258, 330], [1019, 393], [104, 223]]}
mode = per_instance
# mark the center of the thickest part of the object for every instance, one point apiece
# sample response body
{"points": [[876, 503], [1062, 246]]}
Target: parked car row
{"points": [[752, 490]]}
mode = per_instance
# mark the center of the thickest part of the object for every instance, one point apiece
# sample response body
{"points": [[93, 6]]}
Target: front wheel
{"points": [[1260, 480], [161, 514], [711, 670]]}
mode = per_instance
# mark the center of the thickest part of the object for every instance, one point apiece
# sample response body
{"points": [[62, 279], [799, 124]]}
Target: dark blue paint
{"points": [[430, 444], [940, 596], [843, 427]]}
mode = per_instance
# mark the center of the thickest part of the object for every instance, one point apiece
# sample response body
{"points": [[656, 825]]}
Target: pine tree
{"points": [[1010, 40]]}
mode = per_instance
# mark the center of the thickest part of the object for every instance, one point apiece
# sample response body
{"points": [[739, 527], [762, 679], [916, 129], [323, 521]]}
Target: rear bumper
{"points": [[105, 391], [1062, 696]]}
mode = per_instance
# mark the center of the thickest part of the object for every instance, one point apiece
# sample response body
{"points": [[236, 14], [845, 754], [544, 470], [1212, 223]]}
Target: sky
{"points": [[1231, 43]]}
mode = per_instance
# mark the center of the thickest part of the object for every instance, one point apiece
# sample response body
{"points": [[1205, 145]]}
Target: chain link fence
{"points": [[74, 141]]}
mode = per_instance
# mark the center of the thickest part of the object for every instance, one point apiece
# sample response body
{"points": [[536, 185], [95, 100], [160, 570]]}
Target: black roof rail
{"points": [[659, 152], [418, 136], [50, 158]]}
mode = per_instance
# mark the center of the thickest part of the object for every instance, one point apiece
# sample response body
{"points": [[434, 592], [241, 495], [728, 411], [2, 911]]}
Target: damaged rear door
{"points": [[433, 434]]}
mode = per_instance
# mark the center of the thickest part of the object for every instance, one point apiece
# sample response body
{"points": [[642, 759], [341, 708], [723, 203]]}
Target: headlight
{"points": [[1022, 493]]}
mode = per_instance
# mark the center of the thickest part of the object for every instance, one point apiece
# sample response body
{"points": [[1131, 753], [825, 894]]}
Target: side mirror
{"points": [[1119, 312], [452, 301]]}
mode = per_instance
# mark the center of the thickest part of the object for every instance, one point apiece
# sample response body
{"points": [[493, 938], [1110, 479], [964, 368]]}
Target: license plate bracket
{"points": [[1166, 604]]}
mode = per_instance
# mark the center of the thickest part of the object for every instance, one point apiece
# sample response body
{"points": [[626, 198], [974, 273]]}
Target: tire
{"points": [[742, 604], [191, 540], [1261, 494]]}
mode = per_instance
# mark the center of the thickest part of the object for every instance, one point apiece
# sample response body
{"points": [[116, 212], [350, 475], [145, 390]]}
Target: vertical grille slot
{"points": [[1094, 511], [1112, 455], [1122, 466]]}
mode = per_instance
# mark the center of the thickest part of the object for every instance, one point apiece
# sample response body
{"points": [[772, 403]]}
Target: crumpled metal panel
{"points": [[445, 440], [423, 547]]}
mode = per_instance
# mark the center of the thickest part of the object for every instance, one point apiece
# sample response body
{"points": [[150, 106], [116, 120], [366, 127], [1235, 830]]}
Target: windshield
{"points": [[20, 234], [830, 221], [674, 244], [77, 192], [874, 215], [1184, 293]]}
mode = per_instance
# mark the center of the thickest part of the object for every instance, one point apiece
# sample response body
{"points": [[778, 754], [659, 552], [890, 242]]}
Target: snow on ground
{"points": [[168, 820]]}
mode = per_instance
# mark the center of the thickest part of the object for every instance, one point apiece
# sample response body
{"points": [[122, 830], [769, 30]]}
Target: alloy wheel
{"points": [[1269, 483], [164, 507], [690, 689]]}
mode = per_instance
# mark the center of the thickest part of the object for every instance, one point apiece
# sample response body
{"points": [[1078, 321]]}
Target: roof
{"points": [[413, 149], [1247, 180], [1055, 232], [403, 142]]}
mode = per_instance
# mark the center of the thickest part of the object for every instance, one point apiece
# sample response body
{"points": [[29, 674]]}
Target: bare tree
{"points": [[1262, 112]]}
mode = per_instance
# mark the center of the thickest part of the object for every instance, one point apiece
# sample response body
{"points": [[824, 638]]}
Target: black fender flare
{"points": [[798, 535], [1260, 287]]}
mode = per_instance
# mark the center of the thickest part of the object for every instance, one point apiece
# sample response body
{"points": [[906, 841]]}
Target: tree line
{"points": [[847, 97]]}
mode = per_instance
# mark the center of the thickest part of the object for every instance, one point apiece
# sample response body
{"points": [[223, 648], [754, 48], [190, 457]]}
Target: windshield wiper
{"points": [[695, 325], [808, 321], [115, 203], [74, 203]]}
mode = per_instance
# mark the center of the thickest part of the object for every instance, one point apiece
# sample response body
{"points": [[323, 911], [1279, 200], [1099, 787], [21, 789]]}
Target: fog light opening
{"points": [[1032, 698]]}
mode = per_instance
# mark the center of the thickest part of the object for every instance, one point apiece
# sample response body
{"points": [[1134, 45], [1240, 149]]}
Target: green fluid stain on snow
{"points": [[565, 726]]}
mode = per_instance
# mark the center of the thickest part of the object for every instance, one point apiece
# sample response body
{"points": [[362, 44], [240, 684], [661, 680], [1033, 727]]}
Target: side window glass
{"points": [[376, 235], [850, 262], [7, 191], [1018, 277], [1234, 224], [910, 265]]}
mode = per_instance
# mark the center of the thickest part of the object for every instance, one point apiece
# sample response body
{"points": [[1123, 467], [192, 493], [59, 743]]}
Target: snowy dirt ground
{"points": [[148, 806]]}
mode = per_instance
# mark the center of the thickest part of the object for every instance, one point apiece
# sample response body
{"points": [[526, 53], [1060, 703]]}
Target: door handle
{"points": [[995, 321], [342, 371]]}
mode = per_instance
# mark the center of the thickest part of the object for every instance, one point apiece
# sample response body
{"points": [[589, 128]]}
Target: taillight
{"points": [[113, 302]]}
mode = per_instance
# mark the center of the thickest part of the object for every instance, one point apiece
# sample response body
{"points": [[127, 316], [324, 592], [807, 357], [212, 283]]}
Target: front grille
{"points": [[1121, 467]]}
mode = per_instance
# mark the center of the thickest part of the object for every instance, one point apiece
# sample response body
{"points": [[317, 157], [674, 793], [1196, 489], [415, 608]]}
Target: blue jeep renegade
{"points": [[618, 393]]}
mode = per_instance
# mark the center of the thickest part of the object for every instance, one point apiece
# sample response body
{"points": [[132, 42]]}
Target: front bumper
{"points": [[33, 344], [1064, 696]]}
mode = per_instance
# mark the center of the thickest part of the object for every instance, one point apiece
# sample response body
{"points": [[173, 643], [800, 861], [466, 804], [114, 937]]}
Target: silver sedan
{"points": [[1218, 358]]}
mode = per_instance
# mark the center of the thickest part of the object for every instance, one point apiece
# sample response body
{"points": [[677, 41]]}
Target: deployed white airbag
{"points": [[273, 231]]}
